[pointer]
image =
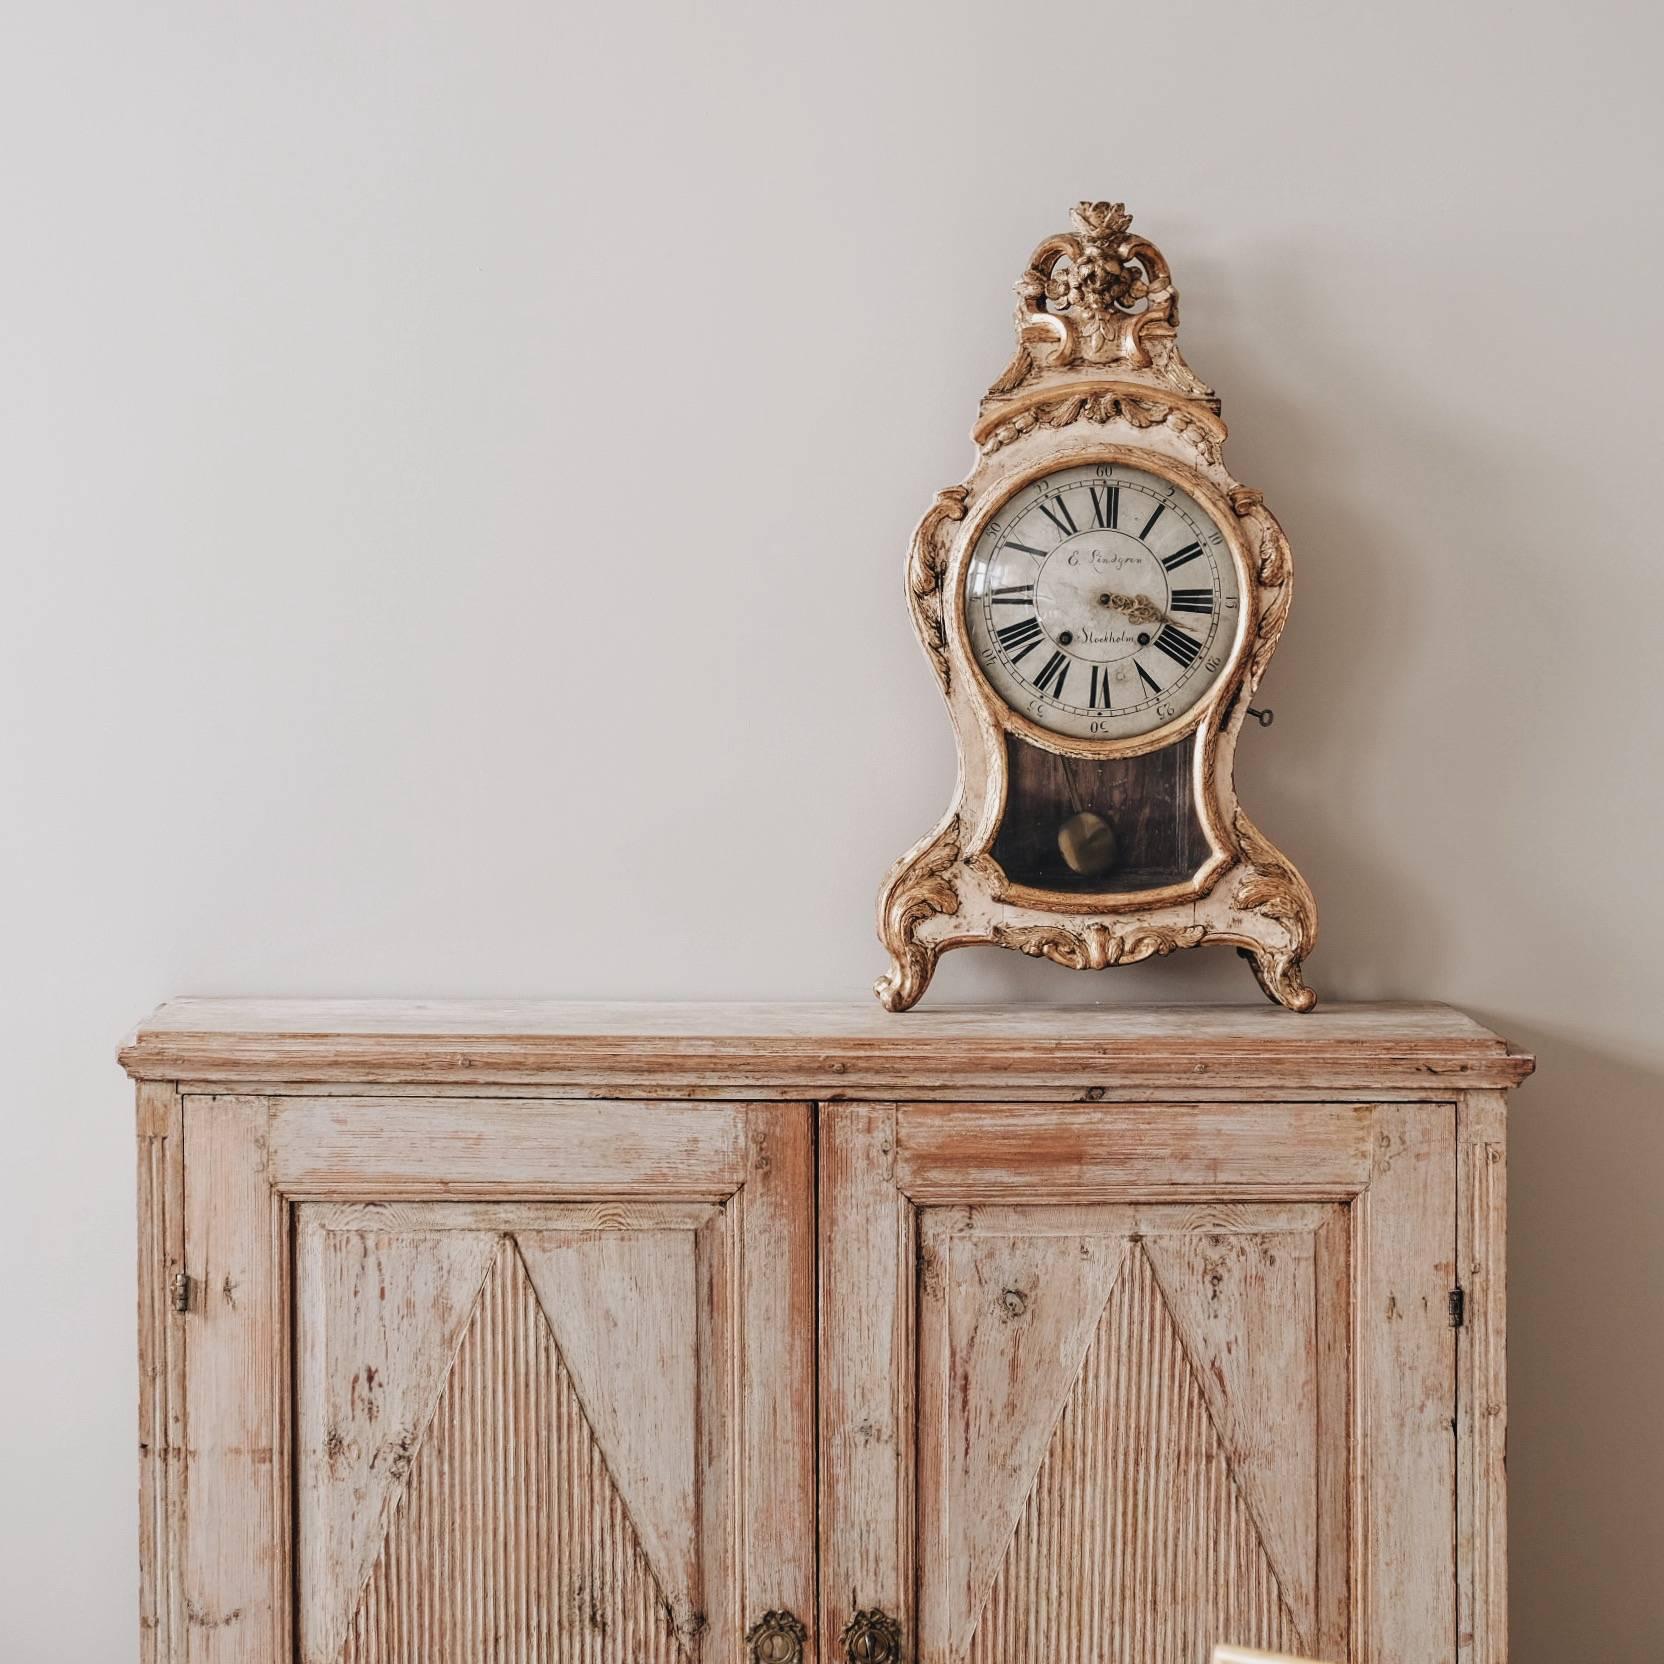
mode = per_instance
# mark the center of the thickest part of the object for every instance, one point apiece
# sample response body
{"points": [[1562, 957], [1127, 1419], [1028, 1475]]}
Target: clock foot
{"points": [[903, 985], [1279, 975], [918, 889]]}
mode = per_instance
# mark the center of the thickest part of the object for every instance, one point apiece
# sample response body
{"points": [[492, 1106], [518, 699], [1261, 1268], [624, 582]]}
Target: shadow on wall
{"points": [[1585, 1266]]}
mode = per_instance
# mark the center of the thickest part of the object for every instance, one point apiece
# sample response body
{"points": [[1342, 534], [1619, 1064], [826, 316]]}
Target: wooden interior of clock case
{"points": [[1147, 800]]}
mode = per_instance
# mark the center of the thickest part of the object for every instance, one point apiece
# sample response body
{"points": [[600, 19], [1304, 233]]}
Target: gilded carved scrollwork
{"points": [[1094, 947], [1274, 573], [917, 890], [1098, 296], [1271, 886], [1089, 407], [926, 563]]}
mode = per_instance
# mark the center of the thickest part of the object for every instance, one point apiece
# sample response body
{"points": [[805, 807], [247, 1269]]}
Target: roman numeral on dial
{"points": [[1012, 543], [1057, 511], [1052, 674], [1106, 505], [1015, 595], [1190, 600], [1179, 556], [1146, 678], [1177, 645], [1149, 525], [1021, 638], [1098, 698]]}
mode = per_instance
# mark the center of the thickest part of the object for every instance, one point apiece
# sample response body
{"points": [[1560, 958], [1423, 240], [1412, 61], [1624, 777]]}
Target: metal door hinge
{"points": [[182, 1291], [1458, 1306]]}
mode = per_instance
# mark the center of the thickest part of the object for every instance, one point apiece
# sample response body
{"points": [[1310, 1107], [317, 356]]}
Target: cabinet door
{"points": [[520, 1381], [1114, 1383]]}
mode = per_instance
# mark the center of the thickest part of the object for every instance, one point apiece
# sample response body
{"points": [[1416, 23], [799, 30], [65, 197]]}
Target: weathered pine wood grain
{"points": [[422, 1147], [1482, 1384], [819, 1051], [1403, 1442], [161, 1220], [235, 1554], [867, 1304], [776, 1358], [1140, 1151], [1333, 1422]]}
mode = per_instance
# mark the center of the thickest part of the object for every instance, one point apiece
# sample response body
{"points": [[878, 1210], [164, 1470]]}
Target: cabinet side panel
{"points": [[161, 1396], [235, 1560], [1404, 1266], [866, 1373], [1481, 1391]]}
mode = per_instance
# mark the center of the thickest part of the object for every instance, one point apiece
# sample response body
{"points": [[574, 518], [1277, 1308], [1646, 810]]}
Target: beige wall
{"points": [[458, 461]]}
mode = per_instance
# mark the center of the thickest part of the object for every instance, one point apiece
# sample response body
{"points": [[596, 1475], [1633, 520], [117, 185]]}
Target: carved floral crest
{"points": [[1098, 296]]}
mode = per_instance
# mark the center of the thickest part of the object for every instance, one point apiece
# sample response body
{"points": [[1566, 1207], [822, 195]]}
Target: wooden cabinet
{"points": [[683, 1333]]}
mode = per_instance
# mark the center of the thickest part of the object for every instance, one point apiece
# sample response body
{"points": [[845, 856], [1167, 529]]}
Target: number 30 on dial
{"points": [[1102, 602]]}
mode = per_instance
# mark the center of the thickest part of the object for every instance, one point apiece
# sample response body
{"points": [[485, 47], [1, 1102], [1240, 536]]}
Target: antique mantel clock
{"points": [[1099, 600]]}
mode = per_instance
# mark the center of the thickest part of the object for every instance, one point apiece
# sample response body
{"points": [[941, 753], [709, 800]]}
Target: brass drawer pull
{"points": [[872, 1637], [776, 1638]]}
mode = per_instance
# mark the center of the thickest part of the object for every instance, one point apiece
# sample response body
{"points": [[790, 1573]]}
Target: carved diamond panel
{"points": [[510, 1540], [1136, 1544]]}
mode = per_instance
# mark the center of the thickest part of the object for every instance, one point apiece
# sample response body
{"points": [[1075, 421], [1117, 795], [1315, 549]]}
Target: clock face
{"points": [[1102, 602]]}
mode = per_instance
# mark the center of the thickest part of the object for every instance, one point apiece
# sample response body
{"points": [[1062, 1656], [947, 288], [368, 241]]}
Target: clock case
{"points": [[1097, 377]]}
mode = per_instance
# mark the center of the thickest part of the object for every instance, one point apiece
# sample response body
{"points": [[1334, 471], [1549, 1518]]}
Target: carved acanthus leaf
{"points": [[1088, 407], [1092, 947], [917, 891], [1098, 295], [1271, 886], [926, 562], [1275, 559]]}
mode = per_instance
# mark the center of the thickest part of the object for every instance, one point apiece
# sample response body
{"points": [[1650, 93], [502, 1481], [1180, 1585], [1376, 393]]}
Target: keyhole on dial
{"points": [[1065, 638]]}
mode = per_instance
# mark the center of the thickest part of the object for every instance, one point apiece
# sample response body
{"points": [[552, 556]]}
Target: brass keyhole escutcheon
{"points": [[776, 1638], [872, 1637]]}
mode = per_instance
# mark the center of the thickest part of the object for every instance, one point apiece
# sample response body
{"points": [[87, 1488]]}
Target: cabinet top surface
{"points": [[841, 1047]]}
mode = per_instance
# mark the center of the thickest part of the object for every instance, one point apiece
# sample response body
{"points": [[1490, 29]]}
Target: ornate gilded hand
{"points": [[1138, 609]]}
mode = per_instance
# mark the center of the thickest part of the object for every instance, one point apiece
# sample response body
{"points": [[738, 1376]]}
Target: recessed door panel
{"points": [[527, 1381], [1137, 1428]]}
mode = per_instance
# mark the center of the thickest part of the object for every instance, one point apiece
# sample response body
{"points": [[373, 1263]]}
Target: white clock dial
{"points": [[1102, 602]]}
